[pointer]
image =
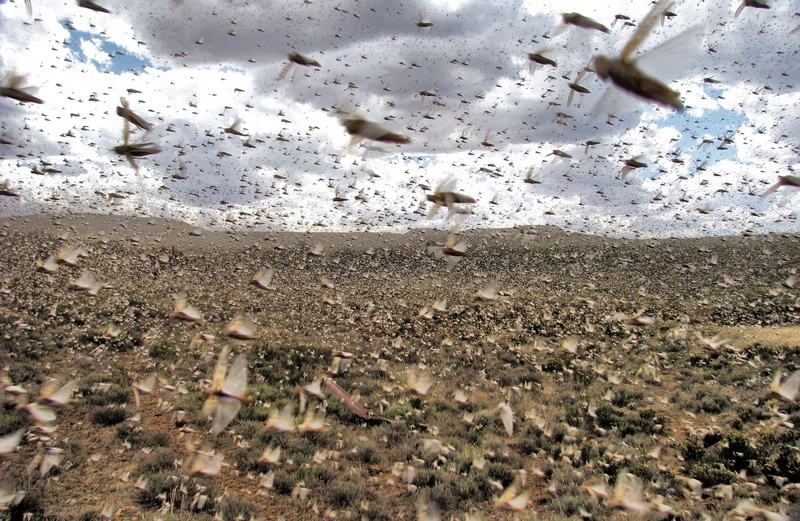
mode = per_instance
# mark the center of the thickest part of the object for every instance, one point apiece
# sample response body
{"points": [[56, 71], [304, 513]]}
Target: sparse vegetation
{"points": [[633, 399], [108, 416]]}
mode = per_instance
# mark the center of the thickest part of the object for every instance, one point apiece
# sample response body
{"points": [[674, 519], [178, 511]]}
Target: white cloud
{"points": [[376, 62]]}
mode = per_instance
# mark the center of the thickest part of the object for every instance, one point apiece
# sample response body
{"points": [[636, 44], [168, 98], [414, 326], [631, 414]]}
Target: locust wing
{"points": [[645, 28]]}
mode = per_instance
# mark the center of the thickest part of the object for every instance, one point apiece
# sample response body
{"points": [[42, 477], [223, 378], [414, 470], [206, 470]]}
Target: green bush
{"points": [[624, 397], [711, 475]]}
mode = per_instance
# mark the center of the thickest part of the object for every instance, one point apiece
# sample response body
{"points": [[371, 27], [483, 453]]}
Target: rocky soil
{"points": [[648, 357]]}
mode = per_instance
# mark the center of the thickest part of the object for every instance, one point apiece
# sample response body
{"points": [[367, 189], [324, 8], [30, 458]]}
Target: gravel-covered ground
{"points": [[646, 357]]}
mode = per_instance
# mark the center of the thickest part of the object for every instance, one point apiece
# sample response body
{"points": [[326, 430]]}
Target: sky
{"points": [[460, 88]]}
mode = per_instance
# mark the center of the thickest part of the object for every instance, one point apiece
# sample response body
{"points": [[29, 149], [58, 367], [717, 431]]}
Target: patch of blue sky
{"points": [[232, 68], [423, 161], [121, 61], [715, 123]]}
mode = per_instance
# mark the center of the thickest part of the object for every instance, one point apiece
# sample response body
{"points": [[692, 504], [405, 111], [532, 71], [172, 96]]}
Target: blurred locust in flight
{"points": [[578, 20], [750, 3], [423, 22], [445, 195], [88, 4], [362, 129], [11, 87], [638, 75], [783, 180], [92, 6], [125, 112], [577, 87], [296, 59], [537, 58], [128, 149], [227, 393]]}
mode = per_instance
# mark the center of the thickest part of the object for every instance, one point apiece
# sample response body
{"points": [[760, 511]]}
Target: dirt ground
{"points": [[648, 357]]}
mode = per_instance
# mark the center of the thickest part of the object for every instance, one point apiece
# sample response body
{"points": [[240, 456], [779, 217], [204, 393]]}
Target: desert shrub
{"points": [[266, 393], [369, 454], [500, 472], [118, 392], [582, 376], [284, 483], [249, 429], [167, 485], [473, 487], [693, 449], [121, 343], [624, 397], [737, 451], [335, 408], [346, 493], [444, 497], [160, 459], [11, 421], [559, 431], [709, 399], [642, 421], [566, 478], [246, 460], [711, 438], [737, 423], [574, 414], [747, 414], [380, 509], [32, 503], [320, 474], [161, 350], [189, 402], [202, 423], [757, 349], [570, 505], [553, 365], [427, 478], [108, 416], [235, 507], [777, 454], [24, 373], [643, 470], [529, 444], [612, 466], [794, 416], [252, 413], [139, 437], [737, 376], [394, 433], [711, 475], [518, 375], [460, 431], [288, 366], [608, 416]]}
